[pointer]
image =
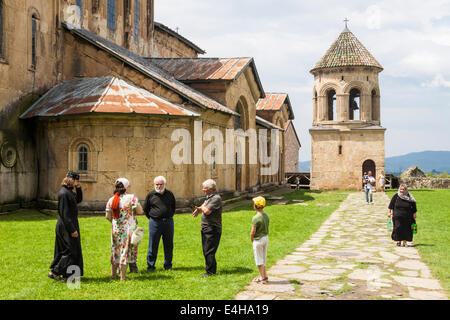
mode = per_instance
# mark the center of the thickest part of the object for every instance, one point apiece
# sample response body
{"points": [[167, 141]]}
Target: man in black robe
{"points": [[68, 243]]}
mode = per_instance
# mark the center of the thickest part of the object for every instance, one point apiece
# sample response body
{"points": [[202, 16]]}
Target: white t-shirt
{"points": [[369, 184]]}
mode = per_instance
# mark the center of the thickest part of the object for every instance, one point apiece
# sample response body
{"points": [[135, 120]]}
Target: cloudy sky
{"points": [[411, 40]]}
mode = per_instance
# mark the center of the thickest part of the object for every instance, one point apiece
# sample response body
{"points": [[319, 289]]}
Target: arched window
{"points": [[238, 121], [331, 100], [2, 54], [83, 159], [354, 105], [34, 23], [136, 20], [111, 14]]}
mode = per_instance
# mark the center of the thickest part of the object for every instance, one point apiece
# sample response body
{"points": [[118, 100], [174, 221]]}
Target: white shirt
{"points": [[369, 185]]}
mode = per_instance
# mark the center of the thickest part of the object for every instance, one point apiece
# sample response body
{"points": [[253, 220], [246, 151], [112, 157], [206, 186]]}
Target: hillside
{"points": [[437, 161]]}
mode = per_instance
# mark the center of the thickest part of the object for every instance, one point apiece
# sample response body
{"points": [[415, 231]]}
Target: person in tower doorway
{"points": [[369, 182]]}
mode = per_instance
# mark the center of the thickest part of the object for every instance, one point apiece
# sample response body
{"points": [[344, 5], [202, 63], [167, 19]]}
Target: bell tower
{"points": [[346, 135]]}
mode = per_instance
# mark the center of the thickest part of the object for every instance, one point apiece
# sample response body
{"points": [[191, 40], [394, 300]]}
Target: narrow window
{"points": [[136, 20], [340, 149], [375, 106], [111, 14], [33, 40], [1, 30], [83, 158], [354, 107], [214, 159], [342, 78], [331, 95]]}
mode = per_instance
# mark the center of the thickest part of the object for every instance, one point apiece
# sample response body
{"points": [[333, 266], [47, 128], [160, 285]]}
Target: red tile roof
{"points": [[101, 95], [274, 102]]}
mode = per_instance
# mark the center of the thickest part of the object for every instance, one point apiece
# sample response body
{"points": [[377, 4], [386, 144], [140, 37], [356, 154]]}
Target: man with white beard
{"points": [[159, 207]]}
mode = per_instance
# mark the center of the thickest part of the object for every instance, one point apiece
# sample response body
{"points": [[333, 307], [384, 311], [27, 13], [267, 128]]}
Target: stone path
{"points": [[350, 257]]}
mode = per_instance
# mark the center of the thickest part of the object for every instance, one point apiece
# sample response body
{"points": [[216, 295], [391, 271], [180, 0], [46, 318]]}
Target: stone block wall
{"points": [[431, 183]]}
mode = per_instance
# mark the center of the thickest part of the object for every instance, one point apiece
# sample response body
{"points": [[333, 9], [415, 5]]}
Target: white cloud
{"points": [[438, 81], [410, 39], [373, 14]]}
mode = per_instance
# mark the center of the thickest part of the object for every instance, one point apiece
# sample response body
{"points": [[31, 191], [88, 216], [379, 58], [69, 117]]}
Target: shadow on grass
{"points": [[199, 268], [237, 270], [423, 245], [303, 194], [27, 215]]}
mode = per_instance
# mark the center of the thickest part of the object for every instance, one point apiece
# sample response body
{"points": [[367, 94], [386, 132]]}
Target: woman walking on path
{"points": [[67, 241], [402, 209], [121, 210]]}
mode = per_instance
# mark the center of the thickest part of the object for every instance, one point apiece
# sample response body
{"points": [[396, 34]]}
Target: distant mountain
{"points": [[437, 161], [428, 161]]}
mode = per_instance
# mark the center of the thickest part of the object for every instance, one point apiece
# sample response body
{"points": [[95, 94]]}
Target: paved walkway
{"points": [[350, 257]]}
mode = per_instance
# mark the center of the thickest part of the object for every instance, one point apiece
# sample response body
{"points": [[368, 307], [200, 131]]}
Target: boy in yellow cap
{"points": [[259, 237]]}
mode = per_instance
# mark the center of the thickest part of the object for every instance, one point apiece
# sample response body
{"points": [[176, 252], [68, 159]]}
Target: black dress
{"points": [[67, 249], [402, 218]]}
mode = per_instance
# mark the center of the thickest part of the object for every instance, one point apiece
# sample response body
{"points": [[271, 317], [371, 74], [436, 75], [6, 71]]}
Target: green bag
{"points": [[414, 228]]}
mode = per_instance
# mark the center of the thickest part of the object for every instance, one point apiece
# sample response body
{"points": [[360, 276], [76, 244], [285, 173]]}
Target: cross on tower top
{"points": [[346, 27]]}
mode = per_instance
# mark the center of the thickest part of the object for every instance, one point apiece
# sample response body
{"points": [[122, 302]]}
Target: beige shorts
{"points": [[260, 250]]}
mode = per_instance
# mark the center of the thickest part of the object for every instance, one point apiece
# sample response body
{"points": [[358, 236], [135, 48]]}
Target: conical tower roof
{"points": [[346, 51]]}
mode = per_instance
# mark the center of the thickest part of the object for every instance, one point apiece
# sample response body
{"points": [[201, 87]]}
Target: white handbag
{"points": [[136, 237]]}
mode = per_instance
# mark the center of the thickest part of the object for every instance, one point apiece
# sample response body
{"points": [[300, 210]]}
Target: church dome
{"points": [[346, 51]]}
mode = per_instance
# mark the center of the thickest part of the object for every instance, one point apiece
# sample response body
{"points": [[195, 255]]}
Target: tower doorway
{"points": [[369, 165]]}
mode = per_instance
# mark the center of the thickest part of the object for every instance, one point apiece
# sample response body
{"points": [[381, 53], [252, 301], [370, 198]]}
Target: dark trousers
{"points": [[158, 228], [210, 243]]}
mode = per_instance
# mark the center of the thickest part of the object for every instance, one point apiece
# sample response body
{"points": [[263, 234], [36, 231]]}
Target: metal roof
{"points": [[102, 95], [346, 51], [274, 102], [207, 69], [264, 123], [149, 69]]}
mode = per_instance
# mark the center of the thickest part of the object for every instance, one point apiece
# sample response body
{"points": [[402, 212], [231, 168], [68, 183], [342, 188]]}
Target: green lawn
{"points": [[27, 243], [433, 237]]}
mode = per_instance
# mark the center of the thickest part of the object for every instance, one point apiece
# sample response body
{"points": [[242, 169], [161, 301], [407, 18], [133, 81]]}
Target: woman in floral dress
{"points": [[121, 210]]}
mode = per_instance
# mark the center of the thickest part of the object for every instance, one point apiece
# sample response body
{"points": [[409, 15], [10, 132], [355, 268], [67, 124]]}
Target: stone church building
{"points": [[346, 136], [99, 87]]}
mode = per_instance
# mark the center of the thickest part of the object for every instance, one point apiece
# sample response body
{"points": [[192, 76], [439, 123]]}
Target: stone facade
{"points": [[338, 156], [431, 183], [292, 147], [346, 138], [169, 44], [137, 146]]}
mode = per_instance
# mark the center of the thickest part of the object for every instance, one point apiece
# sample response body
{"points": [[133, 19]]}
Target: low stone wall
{"points": [[432, 183]]}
